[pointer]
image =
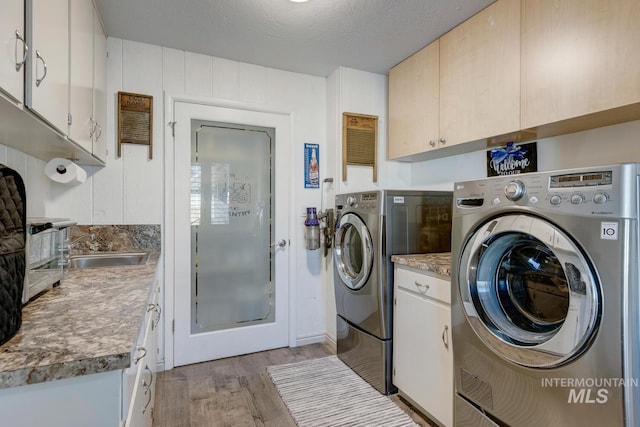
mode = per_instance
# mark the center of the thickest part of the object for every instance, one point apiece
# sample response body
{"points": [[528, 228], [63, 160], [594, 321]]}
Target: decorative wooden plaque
{"points": [[135, 120], [359, 142]]}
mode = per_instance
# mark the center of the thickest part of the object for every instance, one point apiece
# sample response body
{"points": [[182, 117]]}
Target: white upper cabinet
{"points": [[14, 50], [81, 73], [99, 90], [64, 80], [47, 83]]}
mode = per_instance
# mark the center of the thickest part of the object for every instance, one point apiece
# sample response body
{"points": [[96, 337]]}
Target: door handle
{"points": [[281, 244]]}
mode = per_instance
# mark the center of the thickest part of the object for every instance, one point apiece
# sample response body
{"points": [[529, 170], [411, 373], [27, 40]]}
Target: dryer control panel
{"points": [[366, 202]]}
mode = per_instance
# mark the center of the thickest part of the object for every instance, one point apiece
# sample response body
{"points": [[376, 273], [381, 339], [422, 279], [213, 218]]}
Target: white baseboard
{"points": [[326, 339], [331, 343], [310, 339]]}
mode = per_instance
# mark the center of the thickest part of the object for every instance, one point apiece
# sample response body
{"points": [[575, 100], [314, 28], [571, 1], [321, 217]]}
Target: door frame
{"points": [[168, 232]]}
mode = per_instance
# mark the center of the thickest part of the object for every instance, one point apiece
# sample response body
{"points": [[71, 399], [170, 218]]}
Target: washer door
{"points": [[528, 292], [353, 251]]}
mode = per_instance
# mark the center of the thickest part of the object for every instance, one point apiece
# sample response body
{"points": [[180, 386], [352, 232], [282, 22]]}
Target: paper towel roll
{"points": [[65, 171]]}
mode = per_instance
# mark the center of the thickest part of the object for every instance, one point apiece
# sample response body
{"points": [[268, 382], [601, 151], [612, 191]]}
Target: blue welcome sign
{"points": [[512, 159]]}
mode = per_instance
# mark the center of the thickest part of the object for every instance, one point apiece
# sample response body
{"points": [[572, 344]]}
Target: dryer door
{"points": [[528, 291], [353, 251]]}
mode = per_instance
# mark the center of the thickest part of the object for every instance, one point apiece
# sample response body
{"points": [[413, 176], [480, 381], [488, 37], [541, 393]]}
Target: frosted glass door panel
{"points": [[231, 211]]}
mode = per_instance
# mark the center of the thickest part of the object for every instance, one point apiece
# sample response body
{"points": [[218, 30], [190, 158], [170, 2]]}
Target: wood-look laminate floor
{"points": [[233, 392]]}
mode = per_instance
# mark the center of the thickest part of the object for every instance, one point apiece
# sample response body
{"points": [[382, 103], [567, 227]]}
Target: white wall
{"points": [[131, 187], [355, 91], [350, 90]]}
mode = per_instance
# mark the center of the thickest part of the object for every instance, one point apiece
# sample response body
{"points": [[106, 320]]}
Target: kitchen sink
{"points": [[108, 259]]}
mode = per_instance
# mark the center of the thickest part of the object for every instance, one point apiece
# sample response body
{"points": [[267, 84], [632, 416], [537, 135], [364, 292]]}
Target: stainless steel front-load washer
{"points": [[545, 299], [370, 227]]}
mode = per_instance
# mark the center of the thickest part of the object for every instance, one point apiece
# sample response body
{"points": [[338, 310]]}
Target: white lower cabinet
{"points": [[422, 353], [108, 399], [139, 379], [85, 400]]}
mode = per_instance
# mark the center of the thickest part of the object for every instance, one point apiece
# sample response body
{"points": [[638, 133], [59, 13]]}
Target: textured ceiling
{"points": [[311, 38]]}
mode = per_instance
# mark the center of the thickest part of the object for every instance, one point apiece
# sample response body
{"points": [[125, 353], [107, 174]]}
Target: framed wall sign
{"points": [[311, 165], [512, 159]]}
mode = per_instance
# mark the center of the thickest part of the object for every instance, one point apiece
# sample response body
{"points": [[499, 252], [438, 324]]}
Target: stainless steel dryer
{"points": [[545, 299], [370, 227]]}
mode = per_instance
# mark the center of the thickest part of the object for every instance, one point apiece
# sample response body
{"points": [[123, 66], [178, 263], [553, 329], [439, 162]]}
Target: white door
{"points": [[231, 242]]}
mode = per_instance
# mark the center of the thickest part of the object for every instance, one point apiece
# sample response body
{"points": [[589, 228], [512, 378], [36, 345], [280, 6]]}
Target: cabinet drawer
{"points": [[424, 283]]}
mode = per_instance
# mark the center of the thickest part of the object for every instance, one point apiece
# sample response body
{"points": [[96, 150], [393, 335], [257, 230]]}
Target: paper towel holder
{"points": [[65, 171]]}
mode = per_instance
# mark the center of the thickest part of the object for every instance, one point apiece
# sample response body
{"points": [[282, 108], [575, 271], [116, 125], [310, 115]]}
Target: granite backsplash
{"points": [[115, 238]]}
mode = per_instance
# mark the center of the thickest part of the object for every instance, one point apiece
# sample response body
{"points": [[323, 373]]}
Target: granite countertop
{"points": [[439, 263], [88, 324]]}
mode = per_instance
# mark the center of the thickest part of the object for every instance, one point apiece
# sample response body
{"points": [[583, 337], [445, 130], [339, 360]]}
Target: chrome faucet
{"points": [[66, 248], [90, 236]]}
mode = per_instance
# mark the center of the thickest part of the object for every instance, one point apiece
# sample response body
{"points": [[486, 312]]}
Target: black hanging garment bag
{"points": [[13, 221]]}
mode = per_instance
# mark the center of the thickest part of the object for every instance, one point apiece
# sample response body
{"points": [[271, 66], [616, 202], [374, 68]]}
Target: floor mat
{"points": [[327, 393]]}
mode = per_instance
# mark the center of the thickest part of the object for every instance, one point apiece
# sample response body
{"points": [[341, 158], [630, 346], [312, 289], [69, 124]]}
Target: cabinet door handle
{"points": [[445, 336], [44, 63], [420, 286], [144, 382], [99, 130], [143, 353], [158, 311], [432, 143], [25, 51], [146, 405], [443, 141]]}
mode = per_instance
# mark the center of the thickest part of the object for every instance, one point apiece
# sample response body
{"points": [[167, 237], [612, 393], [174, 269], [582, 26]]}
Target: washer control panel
{"points": [[604, 191], [579, 188]]}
